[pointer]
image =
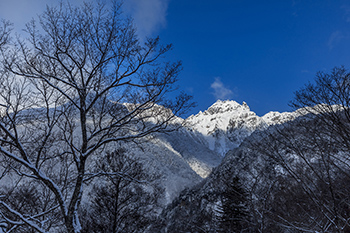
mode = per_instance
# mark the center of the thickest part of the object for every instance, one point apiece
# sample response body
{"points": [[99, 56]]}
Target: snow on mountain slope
{"points": [[183, 157], [273, 118], [207, 137], [226, 124], [186, 155], [162, 160], [193, 149]]}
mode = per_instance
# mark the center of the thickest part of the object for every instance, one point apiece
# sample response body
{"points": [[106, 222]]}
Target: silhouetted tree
{"points": [[5, 30], [126, 201], [232, 211], [80, 82], [313, 151], [30, 200]]}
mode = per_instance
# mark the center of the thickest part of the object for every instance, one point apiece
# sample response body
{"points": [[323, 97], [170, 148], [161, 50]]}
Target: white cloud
{"points": [[149, 15], [335, 38], [220, 91], [20, 12], [346, 9]]}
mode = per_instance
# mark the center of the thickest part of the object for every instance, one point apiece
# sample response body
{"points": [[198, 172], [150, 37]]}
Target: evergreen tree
{"points": [[233, 212]]}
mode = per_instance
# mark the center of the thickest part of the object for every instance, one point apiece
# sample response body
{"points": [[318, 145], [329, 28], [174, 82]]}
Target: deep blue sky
{"points": [[262, 51], [259, 52]]}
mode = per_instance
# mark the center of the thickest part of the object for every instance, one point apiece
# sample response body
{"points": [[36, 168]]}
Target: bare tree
{"points": [[128, 200], [63, 101], [5, 30], [311, 155]]}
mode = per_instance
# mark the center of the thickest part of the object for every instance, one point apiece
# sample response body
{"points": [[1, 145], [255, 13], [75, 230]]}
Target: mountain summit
{"points": [[226, 124]]}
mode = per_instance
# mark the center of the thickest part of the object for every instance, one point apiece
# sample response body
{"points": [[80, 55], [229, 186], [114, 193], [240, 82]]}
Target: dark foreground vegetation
{"points": [[81, 87]]}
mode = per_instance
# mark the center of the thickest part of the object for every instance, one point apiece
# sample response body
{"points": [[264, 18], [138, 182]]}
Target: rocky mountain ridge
{"points": [[290, 172], [225, 124], [186, 156]]}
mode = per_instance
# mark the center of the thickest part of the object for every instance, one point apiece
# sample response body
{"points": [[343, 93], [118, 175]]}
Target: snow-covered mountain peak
{"points": [[220, 107], [222, 115], [225, 124]]}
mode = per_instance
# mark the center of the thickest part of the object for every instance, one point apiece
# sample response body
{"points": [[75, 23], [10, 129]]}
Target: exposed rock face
{"points": [[226, 124]]}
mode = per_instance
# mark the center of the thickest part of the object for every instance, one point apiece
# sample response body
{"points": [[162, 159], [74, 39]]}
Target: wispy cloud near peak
{"points": [[149, 15], [220, 91]]}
